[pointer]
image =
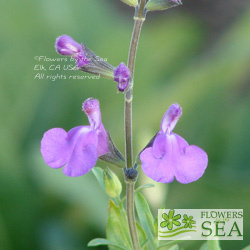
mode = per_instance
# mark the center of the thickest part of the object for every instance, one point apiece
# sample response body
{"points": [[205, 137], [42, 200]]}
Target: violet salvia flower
{"points": [[122, 76], [170, 155], [65, 45], [78, 149]]}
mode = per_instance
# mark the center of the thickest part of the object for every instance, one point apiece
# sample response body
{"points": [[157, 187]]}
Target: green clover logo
{"points": [[170, 219], [188, 221]]}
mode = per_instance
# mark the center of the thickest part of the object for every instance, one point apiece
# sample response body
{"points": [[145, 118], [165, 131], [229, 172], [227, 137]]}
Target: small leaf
{"points": [[98, 173], [246, 248], [145, 217], [153, 5], [117, 226], [156, 225], [213, 245], [99, 242], [142, 236], [169, 244], [174, 247], [204, 246], [148, 185]]}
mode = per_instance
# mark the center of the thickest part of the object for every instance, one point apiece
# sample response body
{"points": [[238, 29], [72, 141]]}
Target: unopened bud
{"points": [[67, 46], [86, 60], [122, 76], [112, 184]]}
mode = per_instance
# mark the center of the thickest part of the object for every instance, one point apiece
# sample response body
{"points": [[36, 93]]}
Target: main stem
{"points": [[138, 21]]}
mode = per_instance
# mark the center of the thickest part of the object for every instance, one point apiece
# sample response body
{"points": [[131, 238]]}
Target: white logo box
{"points": [[200, 224]]}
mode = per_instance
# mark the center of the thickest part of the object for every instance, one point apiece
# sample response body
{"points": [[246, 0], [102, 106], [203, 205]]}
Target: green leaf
{"points": [[99, 242], [204, 246], [117, 226], [246, 248], [153, 5], [145, 217], [98, 173], [156, 225], [213, 245], [174, 247], [170, 244], [142, 236], [148, 185]]}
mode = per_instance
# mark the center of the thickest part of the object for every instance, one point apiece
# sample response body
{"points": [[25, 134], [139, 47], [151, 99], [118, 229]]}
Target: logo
{"points": [[200, 224]]}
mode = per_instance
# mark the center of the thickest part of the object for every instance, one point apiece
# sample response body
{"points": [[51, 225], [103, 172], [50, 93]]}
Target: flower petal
{"points": [[102, 146], [84, 156], [165, 216], [186, 163], [171, 214], [177, 223], [170, 225], [177, 217], [91, 107], [159, 145], [54, 147], [164, 224], [170, 118], [191, 165], [66, 45], [160, 170]]}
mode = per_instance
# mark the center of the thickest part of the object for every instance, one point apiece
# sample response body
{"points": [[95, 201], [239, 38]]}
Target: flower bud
{"points": [[132, 3], [66, 46], [97, 65], [122, 76], [86, 60], [153, 5], [112, 184]]}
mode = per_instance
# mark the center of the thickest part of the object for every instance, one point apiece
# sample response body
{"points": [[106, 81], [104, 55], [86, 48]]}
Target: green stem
{"points": [[131, 216], [138, 21]]}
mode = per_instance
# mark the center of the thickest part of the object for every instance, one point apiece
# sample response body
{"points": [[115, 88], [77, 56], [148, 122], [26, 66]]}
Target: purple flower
{"points": [[122, 76], [79, 149], [66, 46], [170, 155]]}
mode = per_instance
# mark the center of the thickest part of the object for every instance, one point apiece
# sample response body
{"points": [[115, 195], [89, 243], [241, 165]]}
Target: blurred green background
{"points": [[197, 55]]}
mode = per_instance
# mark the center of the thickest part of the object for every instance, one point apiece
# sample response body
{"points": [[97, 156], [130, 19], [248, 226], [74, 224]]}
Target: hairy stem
{"points": [[138, 21]]}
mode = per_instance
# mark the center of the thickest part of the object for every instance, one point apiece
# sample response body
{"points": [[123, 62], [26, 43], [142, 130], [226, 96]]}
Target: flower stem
{"points": [[138, 21], [131, 216]]}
